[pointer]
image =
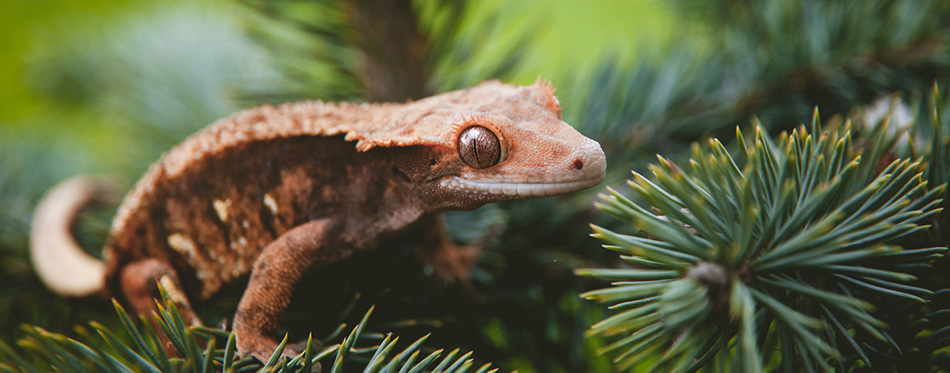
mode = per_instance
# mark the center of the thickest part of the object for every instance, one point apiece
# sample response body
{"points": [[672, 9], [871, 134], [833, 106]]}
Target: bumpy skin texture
{"points": [[272, 192]]}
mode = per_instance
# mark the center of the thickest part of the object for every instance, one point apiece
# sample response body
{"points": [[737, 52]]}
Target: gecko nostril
{"points": [[578, 164]]}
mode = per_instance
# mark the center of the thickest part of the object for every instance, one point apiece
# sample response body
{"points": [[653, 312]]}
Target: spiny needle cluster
{"points": [[776, 247]]}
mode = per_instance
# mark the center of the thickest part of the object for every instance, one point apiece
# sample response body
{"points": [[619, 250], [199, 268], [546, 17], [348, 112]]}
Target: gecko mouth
{"points": [[517, 189], [526, 190]]}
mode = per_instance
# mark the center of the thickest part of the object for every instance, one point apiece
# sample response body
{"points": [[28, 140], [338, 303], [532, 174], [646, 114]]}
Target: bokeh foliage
{"points": [[110, 92]]}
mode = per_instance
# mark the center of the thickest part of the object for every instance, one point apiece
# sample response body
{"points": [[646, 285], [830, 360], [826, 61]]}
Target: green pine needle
{"points": [[138, 350], [786, 240]]}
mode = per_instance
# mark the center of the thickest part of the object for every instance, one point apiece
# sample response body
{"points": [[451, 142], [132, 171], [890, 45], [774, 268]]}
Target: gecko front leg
{"points": [[276, 271]]}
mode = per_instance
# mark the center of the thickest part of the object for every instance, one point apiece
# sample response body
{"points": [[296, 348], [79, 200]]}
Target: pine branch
{"points": [[139, 349], [310, 42], [384, 50], [393, 51], [915, 328], [782, 242]]}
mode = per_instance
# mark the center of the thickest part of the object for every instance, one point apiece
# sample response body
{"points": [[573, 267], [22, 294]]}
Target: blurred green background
{"points": [[107, 86], [571, 36]]}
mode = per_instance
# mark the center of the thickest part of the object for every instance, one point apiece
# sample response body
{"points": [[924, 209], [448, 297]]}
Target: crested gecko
{"points": [[274, 191]]}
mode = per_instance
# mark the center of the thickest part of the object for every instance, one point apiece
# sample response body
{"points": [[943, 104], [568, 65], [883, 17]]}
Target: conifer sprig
{"points": [[138, 349], [779, 245]]}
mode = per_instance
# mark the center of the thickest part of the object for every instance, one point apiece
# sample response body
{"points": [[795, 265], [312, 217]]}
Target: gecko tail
{"points": [[58, 259]]}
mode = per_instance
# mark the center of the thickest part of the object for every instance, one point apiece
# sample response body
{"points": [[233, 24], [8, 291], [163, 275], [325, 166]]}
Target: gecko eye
{"points": [[479, 147]]}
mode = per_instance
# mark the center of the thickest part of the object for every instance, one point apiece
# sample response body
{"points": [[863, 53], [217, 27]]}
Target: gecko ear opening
{"points": [[479, 147]]}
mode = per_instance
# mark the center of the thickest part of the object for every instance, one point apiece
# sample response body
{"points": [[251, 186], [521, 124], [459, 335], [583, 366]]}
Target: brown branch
{"points": [[393, 52]]}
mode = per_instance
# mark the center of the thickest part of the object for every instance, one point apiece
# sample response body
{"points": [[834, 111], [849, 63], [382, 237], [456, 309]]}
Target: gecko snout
{"points": [[588, 163]]}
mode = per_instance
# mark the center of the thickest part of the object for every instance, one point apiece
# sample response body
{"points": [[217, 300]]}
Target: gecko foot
{"points": [[263, 348], [453, 262], [301, 345], [260, 348]]}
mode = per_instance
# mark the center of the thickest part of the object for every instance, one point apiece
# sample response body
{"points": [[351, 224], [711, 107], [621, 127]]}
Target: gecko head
{"points": [[502, 142]]}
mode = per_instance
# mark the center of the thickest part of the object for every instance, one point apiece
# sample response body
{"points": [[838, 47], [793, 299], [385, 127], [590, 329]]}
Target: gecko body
{"points": [[273, 191]]}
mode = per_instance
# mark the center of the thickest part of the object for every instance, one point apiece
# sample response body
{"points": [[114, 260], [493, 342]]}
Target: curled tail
{"points": [[57, 258]]}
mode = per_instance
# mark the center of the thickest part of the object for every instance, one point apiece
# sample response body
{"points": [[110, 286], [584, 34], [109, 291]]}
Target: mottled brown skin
{"points": [[304, 185], [273, 192]]}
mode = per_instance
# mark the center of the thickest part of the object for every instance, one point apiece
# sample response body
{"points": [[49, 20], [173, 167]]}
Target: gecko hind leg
{"points": [[139, 281]]}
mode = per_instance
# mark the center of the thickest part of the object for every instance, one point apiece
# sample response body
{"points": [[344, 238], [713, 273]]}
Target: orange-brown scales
{"points": [[271, 192]]}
